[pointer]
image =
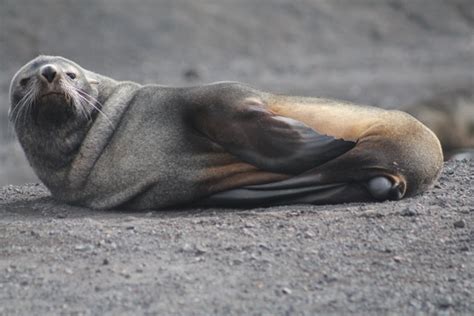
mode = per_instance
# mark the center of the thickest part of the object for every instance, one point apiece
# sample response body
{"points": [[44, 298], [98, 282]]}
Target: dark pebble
{"points": [[371, 214], [460, 224], [464, 248], [445, 302]]}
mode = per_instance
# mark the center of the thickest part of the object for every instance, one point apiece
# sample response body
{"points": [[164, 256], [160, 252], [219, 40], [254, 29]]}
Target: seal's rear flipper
{"points": [[315, 194], [381, 188], [300, 190]]}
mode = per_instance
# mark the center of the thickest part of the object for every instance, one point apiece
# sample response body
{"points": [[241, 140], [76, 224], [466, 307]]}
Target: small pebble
{"points": [[407, 212], [286, 290], [200, 250], [186, 248], [249, 225], [263, 246], [371, 214], [237, 262], [445, 302], [459, 224], [83, 247], [464, 248]]}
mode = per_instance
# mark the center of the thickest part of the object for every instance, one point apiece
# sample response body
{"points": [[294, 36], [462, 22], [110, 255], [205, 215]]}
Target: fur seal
{"points": [[450, 115], [101, 143]]}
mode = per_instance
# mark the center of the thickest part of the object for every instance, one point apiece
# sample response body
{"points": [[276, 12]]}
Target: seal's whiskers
{"points": [[81, 100], [24, 106]]}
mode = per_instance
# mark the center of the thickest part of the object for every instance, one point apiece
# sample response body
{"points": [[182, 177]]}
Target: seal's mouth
{"points": [[52, 93], [56, 96]]}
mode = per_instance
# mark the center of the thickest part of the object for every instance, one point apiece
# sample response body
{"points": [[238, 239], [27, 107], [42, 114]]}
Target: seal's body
{"points": [[100, 143]]}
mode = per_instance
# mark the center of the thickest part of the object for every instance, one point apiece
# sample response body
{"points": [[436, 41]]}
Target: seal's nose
{"points": [[49, 72]]}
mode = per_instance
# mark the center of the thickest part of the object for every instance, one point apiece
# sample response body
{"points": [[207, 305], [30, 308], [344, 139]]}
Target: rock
{"points": [[125, 274], [249, 225], [200, 250], [263, 246], [83, 247], [105, 262], [444, 302], [286, 291], [408, 212], [186, 248], [236, 262], [459, 224], [371, 214]]}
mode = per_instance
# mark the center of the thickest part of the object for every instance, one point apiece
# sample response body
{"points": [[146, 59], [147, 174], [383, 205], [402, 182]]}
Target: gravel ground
{"points": [[408, 257]]}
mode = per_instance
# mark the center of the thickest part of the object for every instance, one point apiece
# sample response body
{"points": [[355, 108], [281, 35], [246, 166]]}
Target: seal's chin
{"points": [[52, 108]]}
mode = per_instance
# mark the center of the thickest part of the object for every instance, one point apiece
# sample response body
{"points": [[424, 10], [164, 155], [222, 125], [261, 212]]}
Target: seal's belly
{"points": [[193, 176]]}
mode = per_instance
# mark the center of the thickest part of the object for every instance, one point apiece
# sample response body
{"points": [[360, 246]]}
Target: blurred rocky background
{"points": [[385, 53]]}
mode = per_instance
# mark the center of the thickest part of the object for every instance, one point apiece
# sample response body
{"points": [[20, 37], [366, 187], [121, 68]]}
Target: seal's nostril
{"points": [[49, 72]]}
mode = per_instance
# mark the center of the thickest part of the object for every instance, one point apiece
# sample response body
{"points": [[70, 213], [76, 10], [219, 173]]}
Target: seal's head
{"points": [[51, 91]]}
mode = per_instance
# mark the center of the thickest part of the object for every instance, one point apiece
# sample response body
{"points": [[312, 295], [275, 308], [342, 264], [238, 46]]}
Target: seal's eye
{"points": [[24, 81], [71, 75]]}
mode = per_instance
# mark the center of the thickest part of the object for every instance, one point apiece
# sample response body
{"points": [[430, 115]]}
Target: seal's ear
{"points": [[91, 77]]}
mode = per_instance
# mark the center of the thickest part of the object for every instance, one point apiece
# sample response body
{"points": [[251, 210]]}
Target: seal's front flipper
{"points": [[270, 142]]}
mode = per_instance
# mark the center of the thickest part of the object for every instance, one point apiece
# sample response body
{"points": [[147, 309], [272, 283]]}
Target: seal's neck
{"points": [[51, 141]]}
